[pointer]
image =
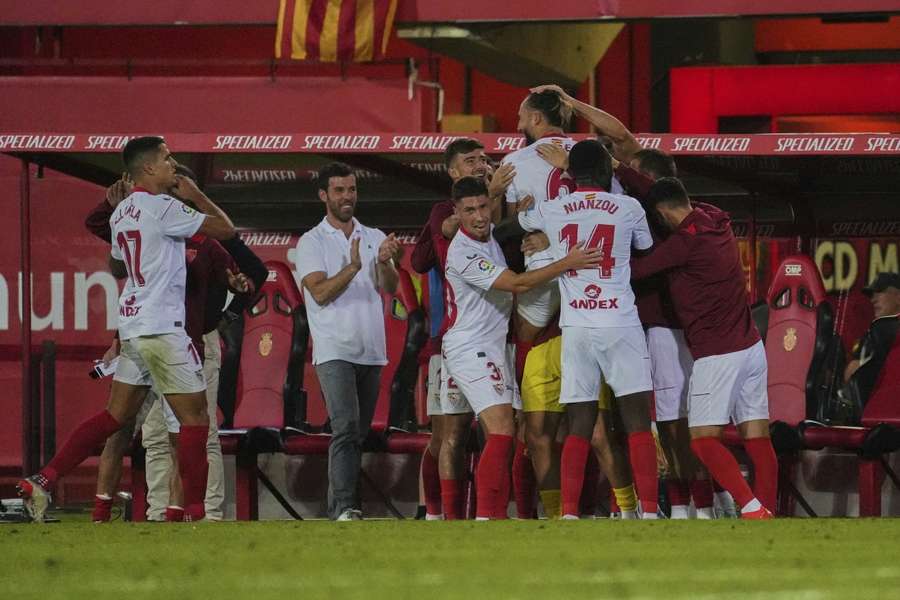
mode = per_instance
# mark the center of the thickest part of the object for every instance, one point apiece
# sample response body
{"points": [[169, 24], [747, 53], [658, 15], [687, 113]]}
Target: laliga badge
{"points": [[265, 344], [790, 339]]}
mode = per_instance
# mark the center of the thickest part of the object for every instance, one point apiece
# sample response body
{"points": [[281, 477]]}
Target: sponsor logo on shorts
{"points": [[585, 304], [793, 270]]}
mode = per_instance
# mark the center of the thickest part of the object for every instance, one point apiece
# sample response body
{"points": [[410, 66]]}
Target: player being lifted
{"points": [[541, 120], [149, 229], [601, 333], [479, 297]]}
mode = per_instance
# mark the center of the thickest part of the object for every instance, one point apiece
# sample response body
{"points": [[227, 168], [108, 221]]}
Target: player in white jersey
{"points": [[479, 296], [148, 232], [602, 334]]}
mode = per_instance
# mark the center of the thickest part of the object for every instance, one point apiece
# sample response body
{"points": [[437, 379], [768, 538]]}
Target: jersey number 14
{"points": [[601, 237]]}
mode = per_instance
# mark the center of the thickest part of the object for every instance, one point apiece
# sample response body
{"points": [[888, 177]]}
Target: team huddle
{"points": [[591, 358], [603, 297]]}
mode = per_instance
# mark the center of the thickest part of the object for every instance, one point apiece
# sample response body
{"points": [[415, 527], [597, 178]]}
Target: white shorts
{"points": [[168, 362], [726, 386], [539, 305], [617, 354], [511, 366], [438, 387], [482, 376], [670, 369]]}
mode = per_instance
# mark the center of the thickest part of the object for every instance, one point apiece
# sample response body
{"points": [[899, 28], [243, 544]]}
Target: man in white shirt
{"points": [[602, 335], [479, 297], [148, 234], [343, 267]]}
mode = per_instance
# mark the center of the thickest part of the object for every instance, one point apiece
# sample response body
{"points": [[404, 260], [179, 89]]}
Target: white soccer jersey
{"points": [[477, 315], [148, 233], [537, 178], [615, 223]]}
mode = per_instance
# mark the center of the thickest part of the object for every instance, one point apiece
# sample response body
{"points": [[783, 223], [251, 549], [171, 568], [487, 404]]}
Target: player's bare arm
{"points": [[217, 224], [450, 226], [325, 289], [624, 143], [577, 258], [387, 276]]}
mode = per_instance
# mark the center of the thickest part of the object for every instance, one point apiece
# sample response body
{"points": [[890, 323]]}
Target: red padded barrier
{"points": [[793, 297], [265, 351]]}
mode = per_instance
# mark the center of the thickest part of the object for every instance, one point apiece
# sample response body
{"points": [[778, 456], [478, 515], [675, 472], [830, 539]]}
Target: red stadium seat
{"points": [[798, 334], [267, 353], [878, 436]]}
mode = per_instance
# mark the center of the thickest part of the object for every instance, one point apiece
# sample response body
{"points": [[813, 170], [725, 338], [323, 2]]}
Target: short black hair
{"points": [[469, 187], [589, 160], [669, 191], [460, 146], [656, 162], [137, 150], [333, 169], [550, 104]]}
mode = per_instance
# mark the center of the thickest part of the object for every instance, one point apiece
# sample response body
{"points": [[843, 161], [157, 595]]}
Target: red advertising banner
{"points": [[863, 144]]}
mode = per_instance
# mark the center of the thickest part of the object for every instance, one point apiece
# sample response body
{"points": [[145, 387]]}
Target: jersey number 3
{"points": [[130, 244], [602, 237]]}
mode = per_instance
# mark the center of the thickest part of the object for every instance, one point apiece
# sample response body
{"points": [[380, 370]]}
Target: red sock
{"points": [[765, 470], [721, 465], [493, 468], [102, 509], [501, 507], [452, 499], [642, 454], [702, 493], [431, 483], [193, 468], [574, 458], [88, 436], [679, 492], [589, 496], [174, 514], [522, 349], [524, 483]]}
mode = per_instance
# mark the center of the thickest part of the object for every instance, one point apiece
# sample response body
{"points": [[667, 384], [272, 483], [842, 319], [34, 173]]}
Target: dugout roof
{"points": [[266, 181]]}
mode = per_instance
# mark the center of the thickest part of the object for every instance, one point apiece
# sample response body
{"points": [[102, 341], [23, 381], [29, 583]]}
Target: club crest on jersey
{"points": [[265, 344], [500, 388], [593, 291], [790, 339]]}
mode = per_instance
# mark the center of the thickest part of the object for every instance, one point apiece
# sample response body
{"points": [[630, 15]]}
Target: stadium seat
{"points": [[266, 349], [798, 336], [878, 436]]}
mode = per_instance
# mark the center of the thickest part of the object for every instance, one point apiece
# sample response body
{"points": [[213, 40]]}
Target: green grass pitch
{"points": [[805, 559]]}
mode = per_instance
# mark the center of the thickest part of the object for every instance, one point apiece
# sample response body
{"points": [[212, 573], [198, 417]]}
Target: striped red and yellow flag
{"points": [[334, 30]]}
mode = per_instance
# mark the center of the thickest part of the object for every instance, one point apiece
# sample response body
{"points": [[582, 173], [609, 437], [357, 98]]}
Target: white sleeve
{"points": [[640, 233], [114, 250], [308, 257], [512, 192], [532, 219], [476, 269], [180, 220]]}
